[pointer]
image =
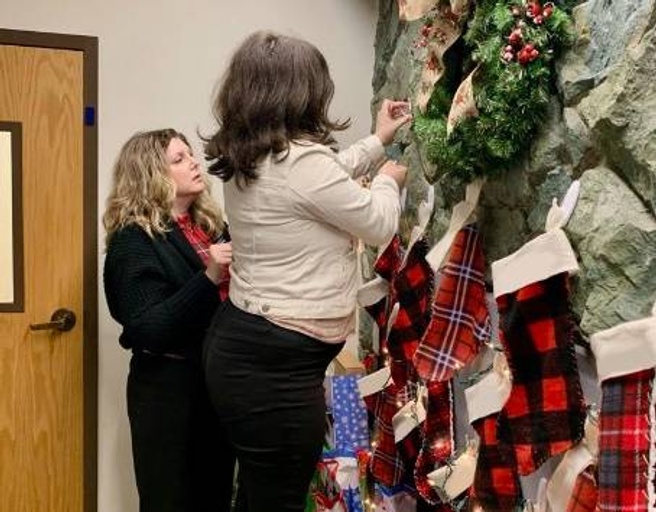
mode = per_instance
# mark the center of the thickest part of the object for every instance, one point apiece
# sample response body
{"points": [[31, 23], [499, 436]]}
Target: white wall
{"points": [[159, 60]]}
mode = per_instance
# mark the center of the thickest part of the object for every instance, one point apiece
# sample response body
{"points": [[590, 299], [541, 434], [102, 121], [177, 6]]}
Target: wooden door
{"points": [[48, 377]]}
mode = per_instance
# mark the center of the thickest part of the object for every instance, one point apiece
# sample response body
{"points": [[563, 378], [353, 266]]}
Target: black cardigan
{"points": [[158, 291]]}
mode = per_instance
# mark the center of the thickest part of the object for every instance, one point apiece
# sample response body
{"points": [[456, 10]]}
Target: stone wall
{"points": [[600, 129]]}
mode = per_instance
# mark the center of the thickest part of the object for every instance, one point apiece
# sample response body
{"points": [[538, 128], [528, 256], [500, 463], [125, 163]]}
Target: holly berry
{"points": [[534, 9], [527, 54], [515, 38]]}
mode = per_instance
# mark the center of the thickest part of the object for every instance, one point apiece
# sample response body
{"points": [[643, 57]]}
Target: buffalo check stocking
{"points": [[386, 266], [411, 288], [460, 321], [496, 482], [545, 413], [437, 446]]}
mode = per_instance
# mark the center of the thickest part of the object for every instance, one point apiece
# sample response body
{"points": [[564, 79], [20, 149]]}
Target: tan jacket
{"points": [[293, 230]]}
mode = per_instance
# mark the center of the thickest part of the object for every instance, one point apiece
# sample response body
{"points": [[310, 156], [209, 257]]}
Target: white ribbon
{"points": [[409, 417], [575, 461], [490, 393], [452, 480], [374, 382]]}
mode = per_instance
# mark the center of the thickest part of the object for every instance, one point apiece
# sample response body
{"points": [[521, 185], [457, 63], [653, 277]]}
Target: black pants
{"points": [[266, 383], [182, 461]]}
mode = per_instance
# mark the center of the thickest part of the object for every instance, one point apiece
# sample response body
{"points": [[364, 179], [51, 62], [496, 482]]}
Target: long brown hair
{"points": [[142, 192], [276, 89]]}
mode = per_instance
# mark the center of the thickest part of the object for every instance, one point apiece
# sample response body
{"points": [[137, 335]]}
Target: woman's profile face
{"points": [[184, 169]]}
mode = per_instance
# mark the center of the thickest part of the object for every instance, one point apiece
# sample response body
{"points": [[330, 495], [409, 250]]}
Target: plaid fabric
{"points": [[386, 464], [411, 285], [624, 443], [496, 482], [585, 493], [545, 413], [409, 447], [388, 263], [411, 288], [460, 321], [386, 266], [404, 376], [201, 242], [438, 438]]}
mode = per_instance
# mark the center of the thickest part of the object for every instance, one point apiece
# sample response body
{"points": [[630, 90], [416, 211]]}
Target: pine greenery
{"points": [[511, 97]]}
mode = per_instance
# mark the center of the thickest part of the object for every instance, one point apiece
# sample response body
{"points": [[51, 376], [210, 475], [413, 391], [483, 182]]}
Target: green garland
{"points": [[514, 45]]}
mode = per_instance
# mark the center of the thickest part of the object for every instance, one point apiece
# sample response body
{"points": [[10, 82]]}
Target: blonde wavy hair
{"points": [[142, 192]]}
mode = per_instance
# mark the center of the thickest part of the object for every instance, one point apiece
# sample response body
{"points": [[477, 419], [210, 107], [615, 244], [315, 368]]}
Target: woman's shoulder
{"points": [[302, 150], [129, 236]]}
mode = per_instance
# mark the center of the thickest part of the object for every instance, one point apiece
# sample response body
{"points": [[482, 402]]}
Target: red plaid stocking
{"points": [[386, 464], [438, 438], [624, 433], [411, 288], [386, 266], [460, 321], [545, 413], [585, 493], [496, 484]]}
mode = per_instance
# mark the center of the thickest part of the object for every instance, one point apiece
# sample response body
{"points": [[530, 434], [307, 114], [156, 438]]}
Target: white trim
{"points": [[409, 417], [545, 256], [374, 382], [373, 291], [489, 394], [450, 481], [626, 348]]}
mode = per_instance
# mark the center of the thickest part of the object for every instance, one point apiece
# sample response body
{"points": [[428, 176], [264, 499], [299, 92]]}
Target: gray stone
{"points": [[549, 149], [613, 26], [621, 114], [555, 186], [580, 146], [615, 238]]}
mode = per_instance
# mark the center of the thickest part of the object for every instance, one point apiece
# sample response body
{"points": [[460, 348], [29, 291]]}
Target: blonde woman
{"points": [[167, 254]]}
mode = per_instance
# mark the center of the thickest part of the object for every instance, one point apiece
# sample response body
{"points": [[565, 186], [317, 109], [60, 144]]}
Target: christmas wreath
{"points": [[512, 46]]}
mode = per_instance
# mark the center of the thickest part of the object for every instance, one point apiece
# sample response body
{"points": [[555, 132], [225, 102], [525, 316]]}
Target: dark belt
{"points": [[165, 354]]}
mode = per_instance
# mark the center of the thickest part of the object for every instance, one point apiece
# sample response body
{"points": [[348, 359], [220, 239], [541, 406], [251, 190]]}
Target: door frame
{"points": [[88, 45]]}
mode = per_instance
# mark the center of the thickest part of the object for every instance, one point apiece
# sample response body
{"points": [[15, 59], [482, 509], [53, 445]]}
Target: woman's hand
{"points": [[395, 171], [220, 257], [391, 116]]}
